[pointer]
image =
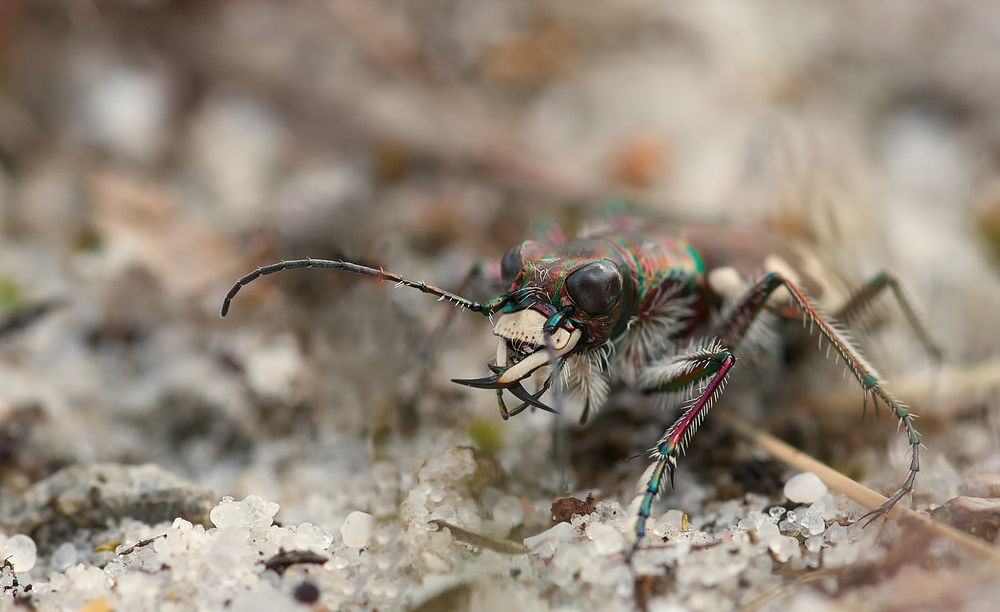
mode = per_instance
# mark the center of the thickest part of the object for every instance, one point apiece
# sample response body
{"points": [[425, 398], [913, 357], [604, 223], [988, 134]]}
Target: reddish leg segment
{"points": [[736, 325], [711, 364]]}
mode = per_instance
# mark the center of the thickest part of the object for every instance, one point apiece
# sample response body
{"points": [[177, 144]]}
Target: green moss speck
{"points": [[486, 436]]}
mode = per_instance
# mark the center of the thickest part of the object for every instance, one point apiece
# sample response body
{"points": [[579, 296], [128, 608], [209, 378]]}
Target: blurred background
{"points": [[153, 151]]}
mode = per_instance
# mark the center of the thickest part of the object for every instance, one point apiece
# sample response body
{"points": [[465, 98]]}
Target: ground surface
{"points": [[153, 152]]}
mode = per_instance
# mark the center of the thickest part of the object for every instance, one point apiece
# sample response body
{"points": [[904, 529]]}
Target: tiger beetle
{"points": [[668, 314]]}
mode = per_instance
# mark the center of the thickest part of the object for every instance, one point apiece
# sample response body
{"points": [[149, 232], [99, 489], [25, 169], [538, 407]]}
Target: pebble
{"points": [[357, 529], [974, 515], [814, 543], [21, 551], [805, 488], [125, 111], [251, 512], [307, 593], [767, 529], [784, 547], [508, 512], [813, 524], [64, 556], [607, 540], [561, 531]]}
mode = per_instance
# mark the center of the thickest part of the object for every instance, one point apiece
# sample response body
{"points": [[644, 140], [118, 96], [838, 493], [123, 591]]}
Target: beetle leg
{"points": [[504, 413], [555, 364], [734, 328], [711, 364], [867, 294], [518, 391], [529, 399], [434, 339]]}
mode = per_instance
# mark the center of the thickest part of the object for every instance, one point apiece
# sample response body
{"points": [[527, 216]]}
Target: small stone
{"points": [[357, 529], [673, 518], [767, 529], [980, 485], [272, 370], [805, 488], [264, 598], [813, 524], [125, 111], [973, 515], [64, 556], [443, 513], [784, 548], [814, 543], [607, 540], [96, 605], [21, 551], [508, 512], [251, 512], [836, 534], [561, 531], [435, 563]]}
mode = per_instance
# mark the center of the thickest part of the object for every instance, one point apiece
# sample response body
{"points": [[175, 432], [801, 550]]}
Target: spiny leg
{"points": [[866, 295], [431, 345], [560, 436], [735, 327], [711, 364], [432, 342]]}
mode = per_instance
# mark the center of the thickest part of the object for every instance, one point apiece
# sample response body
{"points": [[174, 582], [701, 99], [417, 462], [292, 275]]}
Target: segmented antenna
{"points": [[487, 308]]}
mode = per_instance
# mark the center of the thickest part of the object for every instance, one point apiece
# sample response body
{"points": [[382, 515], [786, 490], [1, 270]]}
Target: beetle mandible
{"points": [[668, 314]]}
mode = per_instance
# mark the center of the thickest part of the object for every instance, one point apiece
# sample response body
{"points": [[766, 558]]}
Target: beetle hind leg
{"points": [[734, 327], [913, 436], [866, 295]]}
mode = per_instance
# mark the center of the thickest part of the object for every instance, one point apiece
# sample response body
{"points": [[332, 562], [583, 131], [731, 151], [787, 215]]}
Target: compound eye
{"points": [[596, 287], [510, 265], [514, 259]]}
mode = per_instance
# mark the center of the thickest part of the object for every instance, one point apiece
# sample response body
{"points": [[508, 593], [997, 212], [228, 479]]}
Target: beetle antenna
{"points": [[487, 308]]}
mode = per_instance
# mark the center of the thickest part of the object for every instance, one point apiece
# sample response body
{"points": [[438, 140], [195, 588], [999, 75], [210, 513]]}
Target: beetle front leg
{"points": [[711, 364], [735, 326]]}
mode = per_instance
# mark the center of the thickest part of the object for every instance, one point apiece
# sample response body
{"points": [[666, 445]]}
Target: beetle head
{"points": [[577, 291]]}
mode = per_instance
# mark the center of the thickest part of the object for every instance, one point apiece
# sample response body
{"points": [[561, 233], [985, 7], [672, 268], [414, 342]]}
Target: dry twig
{"points": [[856, 491]]}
